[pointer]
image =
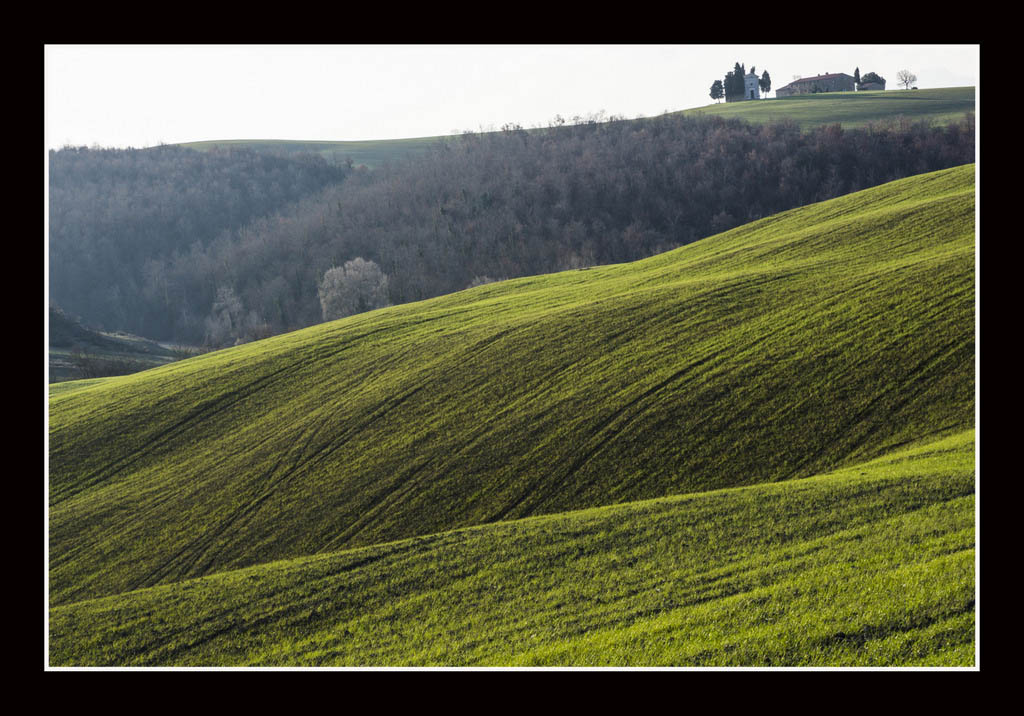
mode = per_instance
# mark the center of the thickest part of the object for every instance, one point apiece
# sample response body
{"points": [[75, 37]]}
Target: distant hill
{"points": [[78, 352], [852, 109], [67, 332]]}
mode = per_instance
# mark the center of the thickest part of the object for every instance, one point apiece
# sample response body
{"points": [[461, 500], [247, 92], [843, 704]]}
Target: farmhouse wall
{"points": [[839, 82]]}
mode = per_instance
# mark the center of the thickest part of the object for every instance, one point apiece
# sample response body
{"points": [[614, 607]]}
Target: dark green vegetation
{"points": [[814, 341], [852, 110], [733, 86]]}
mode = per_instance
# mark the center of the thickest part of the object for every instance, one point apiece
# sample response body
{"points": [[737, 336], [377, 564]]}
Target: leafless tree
{"points": [[225, 319], [358, 286], [481, 280], [906, 78]]}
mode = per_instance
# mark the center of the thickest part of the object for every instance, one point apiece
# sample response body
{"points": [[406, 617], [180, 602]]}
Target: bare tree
{"points": [[87, 365], [906, 78], [481, 280], [358, 286], [225, 320]]}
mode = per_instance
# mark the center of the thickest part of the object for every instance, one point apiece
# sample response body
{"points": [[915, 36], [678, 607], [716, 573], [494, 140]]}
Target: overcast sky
{"points": [[141, 95]]}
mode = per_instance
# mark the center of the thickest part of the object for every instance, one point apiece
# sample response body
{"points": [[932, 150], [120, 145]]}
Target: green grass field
{"points": [[852, 109], [354, 493], [869, 565]]}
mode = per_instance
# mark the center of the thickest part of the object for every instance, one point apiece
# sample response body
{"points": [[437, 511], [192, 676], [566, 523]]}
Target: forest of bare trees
{"points": [[119, 216], [227, 248]]}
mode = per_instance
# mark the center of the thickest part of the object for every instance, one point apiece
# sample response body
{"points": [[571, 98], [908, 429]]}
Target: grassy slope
{"points": [[873, 565], [815, 339], [70, 386], [852, 109]]}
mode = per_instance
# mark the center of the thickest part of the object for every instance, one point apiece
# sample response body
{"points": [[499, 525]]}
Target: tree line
{"points": [[733, 87], [516, 202], [116, 216]]}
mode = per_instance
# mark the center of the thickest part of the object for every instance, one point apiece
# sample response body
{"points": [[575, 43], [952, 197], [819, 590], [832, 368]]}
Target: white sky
{"points": [[141, 95]]}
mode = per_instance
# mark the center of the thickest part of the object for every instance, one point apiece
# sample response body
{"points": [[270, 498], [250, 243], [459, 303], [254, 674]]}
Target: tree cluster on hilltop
{"points": [[513, 203], [734, 84], [733, 87], [869, 78]]}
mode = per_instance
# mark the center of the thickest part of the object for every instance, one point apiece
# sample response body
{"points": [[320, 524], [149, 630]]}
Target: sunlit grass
{"points": [[871, 565], [802, 344], [852, 109]]}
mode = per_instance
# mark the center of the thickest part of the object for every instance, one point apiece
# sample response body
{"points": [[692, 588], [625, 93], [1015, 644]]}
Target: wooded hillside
{"points": [[224, 259]]}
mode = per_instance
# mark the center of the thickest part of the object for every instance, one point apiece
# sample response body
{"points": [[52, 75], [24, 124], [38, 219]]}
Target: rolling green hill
{"points": [[812, 341], [872, 565], [852, 109]]}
